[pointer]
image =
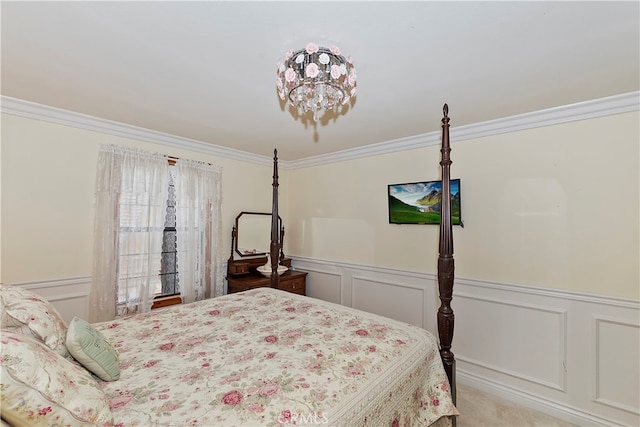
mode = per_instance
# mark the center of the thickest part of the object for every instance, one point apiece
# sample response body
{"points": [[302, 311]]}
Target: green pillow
{"points": [[89, 347]]}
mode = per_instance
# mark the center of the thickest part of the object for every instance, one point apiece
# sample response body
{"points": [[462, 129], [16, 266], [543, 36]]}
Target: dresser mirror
{"points": [[251, 241], [252, 233]]}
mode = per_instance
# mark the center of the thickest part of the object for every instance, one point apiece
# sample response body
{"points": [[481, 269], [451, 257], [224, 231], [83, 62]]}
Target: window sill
{"points": [[166, 301]]}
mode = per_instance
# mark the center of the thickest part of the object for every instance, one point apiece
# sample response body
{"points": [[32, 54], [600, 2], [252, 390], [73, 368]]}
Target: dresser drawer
{"points": [[239, 268], [290, 281], [296, 285], [239, 286]]}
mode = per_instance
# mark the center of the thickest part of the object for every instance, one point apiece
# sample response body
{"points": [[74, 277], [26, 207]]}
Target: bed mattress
{"points": [[266, 357]]}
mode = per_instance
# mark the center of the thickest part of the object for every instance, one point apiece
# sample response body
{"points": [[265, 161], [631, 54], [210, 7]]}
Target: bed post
{"points": [[274, 253], [445, 262]]}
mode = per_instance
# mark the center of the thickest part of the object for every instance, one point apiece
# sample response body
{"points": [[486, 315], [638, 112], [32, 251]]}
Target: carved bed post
{"points": [[445, 261], [274, 251], [234, 236]]}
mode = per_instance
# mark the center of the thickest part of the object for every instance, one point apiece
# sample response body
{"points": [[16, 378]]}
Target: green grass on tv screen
{"points": [[400, 213]]}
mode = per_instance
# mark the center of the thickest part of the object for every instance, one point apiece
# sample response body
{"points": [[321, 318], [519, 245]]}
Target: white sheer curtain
{"points": [[198, 222], [131, 199]]}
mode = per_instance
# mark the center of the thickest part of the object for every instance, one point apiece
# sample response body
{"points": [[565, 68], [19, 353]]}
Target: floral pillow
{"points": [[42, 388], [26, 312]]}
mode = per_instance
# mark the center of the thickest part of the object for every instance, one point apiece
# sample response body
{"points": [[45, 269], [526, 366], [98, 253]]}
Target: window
{"points": [[169, 281], [157, 232], [136, 266], [141, 209]]}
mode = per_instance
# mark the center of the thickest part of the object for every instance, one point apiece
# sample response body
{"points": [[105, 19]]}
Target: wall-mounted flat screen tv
{"points": [[419, 202]]}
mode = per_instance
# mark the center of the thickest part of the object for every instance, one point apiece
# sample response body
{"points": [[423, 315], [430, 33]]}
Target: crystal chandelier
{"points": [[316, 79]]}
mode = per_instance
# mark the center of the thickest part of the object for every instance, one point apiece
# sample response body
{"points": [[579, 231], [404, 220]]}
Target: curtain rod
{"points": [[173, 159]]}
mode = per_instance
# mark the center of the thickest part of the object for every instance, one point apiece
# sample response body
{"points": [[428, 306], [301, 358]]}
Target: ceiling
{"points": [[206, 70]]}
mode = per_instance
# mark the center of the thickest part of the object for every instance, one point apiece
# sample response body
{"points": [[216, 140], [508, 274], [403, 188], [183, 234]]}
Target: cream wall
{"points": [[48, 176], [554, 207], [551, 207]]}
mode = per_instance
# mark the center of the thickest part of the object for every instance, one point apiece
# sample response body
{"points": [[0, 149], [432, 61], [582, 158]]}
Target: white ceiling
{"points": [[206, 70]]}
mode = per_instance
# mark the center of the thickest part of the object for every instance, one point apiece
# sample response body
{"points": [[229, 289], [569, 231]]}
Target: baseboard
{"points": [[555, 409]]}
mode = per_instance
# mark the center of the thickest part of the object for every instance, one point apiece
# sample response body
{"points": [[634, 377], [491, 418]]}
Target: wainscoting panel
{"points": [[571, 355], [373, 296], [400, 295], [612, 367], [536, 337], [69, 296], [324, 285]]}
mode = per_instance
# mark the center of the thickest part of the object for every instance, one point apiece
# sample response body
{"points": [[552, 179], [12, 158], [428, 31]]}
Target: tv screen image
{"points": [[420, 202]]}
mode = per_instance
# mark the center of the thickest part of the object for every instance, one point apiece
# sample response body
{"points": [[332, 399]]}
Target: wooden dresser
{"points": [[242, 276]]}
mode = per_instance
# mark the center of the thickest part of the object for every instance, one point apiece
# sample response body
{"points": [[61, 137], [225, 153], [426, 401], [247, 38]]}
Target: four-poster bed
{"points": [[445, 260], [261, 357], [446, 265]]}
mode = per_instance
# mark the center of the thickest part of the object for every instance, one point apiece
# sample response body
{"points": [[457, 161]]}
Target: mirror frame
{"points": [[268, 233]]}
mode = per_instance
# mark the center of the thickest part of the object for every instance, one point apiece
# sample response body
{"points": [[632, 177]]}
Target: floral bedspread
{"points": [[265, 357]]}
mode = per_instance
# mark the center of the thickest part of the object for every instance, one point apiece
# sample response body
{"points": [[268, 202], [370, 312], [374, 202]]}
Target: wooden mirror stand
{"points": [[242, 273]]}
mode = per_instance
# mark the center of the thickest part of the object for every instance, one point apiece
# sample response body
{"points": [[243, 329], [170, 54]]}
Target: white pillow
{"points": [[42, 388], [89, 347], [25, 312]]}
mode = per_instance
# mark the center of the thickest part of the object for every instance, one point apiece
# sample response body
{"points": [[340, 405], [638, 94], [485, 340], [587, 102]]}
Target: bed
{"points": [[262, 357]]}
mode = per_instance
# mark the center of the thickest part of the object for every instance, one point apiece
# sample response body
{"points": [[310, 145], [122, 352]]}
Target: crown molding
{"points": [[32, 110], [616, 104], [611, 105]]}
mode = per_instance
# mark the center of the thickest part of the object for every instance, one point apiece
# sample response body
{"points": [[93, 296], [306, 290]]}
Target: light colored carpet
{"points": [[479, 409]]}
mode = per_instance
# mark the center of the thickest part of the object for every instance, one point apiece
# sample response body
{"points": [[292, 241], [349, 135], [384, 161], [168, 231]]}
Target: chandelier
{"points": [[316, 79]]}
